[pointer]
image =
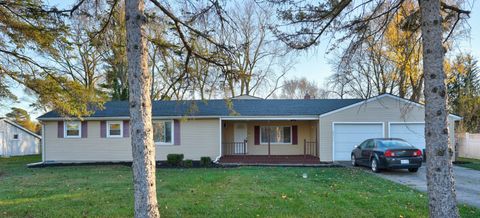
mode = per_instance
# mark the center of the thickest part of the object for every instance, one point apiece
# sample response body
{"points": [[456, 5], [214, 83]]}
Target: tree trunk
{"points": [[143, 149], [440, 181]]}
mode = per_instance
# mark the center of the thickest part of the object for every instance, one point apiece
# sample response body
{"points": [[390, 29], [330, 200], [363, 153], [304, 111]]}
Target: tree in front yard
{"points": [[30, 32], [139, 78], [305, 23], [143, 149]]}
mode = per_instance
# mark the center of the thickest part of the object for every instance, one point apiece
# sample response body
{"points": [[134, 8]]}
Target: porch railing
{"points": [[310, 148], [235, 148]]}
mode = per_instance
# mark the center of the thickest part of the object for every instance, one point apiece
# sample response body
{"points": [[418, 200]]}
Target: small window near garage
{"points": [[72, 129], [163, 132], [15, 136], [278, 134], [114, 129]]}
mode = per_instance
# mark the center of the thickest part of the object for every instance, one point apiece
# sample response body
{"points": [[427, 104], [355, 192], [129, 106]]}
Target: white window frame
{"points": [[72, 136], [276, 143], [172, 133], [108, 129]]}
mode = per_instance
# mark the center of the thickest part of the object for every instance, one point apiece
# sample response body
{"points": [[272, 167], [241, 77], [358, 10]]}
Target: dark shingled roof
{"points": [[241, 107]]}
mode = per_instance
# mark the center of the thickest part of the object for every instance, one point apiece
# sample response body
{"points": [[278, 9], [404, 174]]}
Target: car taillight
{"points": [[389, 153], [417, 153]]}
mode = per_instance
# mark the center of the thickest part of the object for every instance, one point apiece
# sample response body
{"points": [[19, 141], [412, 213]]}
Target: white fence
{"points": [[468, 145]]}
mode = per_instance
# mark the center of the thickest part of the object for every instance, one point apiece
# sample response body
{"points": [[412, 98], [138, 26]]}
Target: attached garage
{"points": [[347, 135], [414, 133], [382, 116]]}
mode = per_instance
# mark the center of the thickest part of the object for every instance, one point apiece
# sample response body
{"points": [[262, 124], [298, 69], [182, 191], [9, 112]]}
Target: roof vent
{"points": [[307, 96]]}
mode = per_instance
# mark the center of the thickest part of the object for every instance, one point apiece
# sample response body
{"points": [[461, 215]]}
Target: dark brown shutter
{"points": [[103, 129], [60, 129], [84, 129], [256, 134], [294, 135], [126, 129], [176, 132]]}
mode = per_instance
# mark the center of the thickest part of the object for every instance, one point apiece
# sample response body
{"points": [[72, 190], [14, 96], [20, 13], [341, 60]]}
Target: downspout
{"points": [[219, 140], [3, 144], [2, 139], [43, 143]]}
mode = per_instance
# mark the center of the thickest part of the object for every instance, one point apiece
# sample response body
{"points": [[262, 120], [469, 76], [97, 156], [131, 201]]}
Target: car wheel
{"points": [[374, 165], [354, 160], [412, 170]]}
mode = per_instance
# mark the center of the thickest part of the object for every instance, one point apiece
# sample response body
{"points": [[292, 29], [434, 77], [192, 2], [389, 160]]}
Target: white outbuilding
{"points": [[16, 140]]}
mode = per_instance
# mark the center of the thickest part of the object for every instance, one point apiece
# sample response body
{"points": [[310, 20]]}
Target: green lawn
{"points": [[469, 163], [106, 191]]}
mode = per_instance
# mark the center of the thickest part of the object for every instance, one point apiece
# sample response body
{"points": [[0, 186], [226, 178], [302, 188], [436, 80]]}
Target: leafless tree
{"points": [[256, 52], [298, 88]]}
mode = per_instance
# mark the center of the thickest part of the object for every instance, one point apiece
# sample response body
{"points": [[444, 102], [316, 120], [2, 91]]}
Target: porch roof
{"points": [[218, 108]]}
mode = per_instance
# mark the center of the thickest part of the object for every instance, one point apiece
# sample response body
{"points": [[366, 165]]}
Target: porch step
{"points": [[291, 160]]}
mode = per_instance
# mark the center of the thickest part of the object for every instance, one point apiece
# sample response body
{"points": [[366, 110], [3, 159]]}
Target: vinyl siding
{"points": [[198, 138], [385, 109], [306, 130]]}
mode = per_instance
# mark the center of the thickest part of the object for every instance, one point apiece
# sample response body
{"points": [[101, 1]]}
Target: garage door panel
{"points": [[354, 129], [414, 133], [347, 135]]}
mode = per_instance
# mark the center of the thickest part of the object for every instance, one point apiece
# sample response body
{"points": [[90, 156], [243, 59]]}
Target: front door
{"points": [[240, 136]]}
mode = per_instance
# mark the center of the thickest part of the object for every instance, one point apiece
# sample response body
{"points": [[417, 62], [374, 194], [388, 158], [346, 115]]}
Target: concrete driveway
{"points": [[467, 182]]}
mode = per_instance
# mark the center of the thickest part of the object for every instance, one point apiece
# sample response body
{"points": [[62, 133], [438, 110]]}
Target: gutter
{"points": [[260, 117]]}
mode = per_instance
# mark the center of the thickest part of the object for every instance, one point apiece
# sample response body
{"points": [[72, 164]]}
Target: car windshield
{"points": [[394, 144]]}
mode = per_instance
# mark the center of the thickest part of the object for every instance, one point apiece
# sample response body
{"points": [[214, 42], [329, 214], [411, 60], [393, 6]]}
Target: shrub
{"points": [[188, 163], [205, 161], [174, 159]]}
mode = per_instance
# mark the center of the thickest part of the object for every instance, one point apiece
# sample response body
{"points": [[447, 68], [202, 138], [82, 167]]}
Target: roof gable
{"points": [[21, 127], [386, 95]]}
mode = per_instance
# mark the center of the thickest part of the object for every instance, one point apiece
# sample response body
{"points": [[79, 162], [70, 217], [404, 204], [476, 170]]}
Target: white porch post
{"points": [[318, 138], [220, 136]]}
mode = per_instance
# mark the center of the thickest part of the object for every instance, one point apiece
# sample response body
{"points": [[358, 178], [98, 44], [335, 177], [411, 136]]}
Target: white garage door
{"points": [[347, 135], [414, 133]]}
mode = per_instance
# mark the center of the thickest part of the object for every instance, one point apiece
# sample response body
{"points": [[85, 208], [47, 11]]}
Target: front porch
{"points": [[290, 142]]}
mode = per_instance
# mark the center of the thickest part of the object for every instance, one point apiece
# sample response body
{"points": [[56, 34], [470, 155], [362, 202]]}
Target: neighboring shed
{"points": [[15, 140]]}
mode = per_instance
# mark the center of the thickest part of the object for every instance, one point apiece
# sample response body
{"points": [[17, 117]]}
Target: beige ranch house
{"points": [[239, 130]]}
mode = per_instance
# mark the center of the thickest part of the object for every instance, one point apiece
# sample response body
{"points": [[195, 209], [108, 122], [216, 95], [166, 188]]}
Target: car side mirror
{"points": [[356, 146]]}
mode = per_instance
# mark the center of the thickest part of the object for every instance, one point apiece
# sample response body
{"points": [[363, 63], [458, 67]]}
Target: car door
{"points": [[367, 151], [358, 152]]}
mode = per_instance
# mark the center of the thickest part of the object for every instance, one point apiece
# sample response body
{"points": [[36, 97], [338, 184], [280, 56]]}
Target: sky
{"points": [[312, 64]]}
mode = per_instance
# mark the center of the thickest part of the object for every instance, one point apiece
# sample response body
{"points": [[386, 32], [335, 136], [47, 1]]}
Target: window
{"points": [[364, 144], [114, 129], [72, 129], [370, 144], [15, 136], [278, 134], [394, 144], [162, 132]]}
